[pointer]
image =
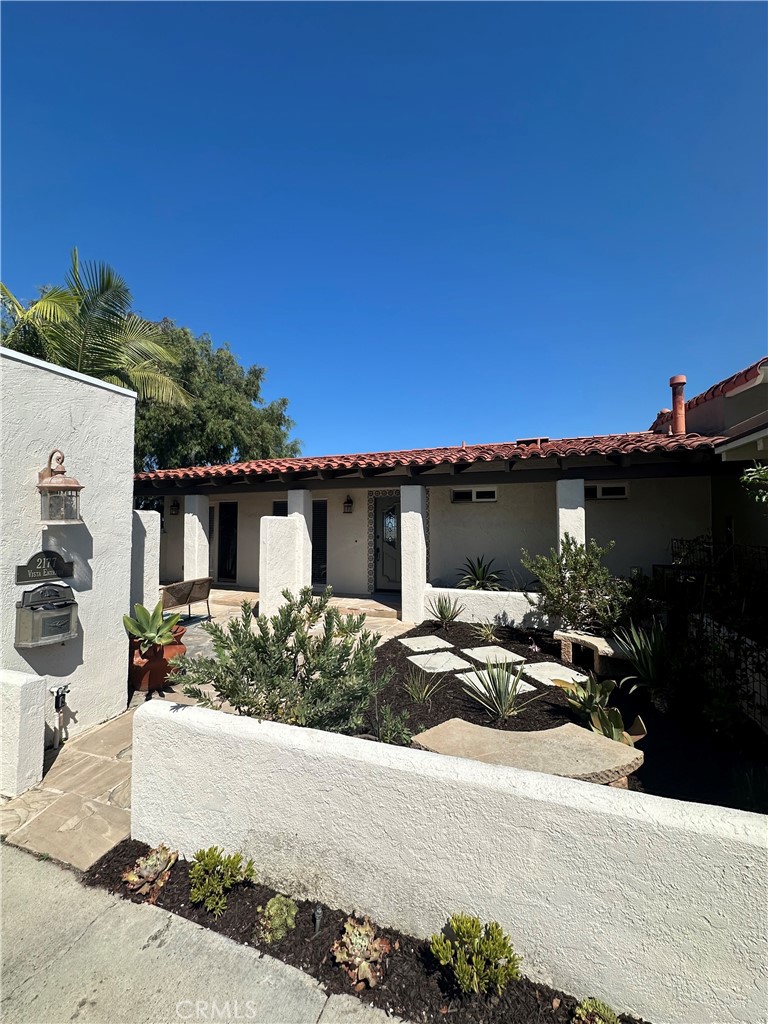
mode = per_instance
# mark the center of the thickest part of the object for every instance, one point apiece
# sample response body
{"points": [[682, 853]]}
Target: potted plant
{"points": [[154, 642]]}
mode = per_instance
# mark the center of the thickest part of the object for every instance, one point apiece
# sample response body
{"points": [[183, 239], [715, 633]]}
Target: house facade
{"points": [[678, 479]]}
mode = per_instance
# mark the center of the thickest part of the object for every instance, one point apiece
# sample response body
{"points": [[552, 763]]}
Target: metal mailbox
{"points": [[46, 615]]}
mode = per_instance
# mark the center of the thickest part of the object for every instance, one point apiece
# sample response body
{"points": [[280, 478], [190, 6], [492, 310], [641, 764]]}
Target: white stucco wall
{"points": [[281, 561], [172, 543], [644, 523], [524, 516], [654, 905], [45, 407], [145, 559], [569, 498], [22, 730], [413, 551], [506, 607], [196, 561]]}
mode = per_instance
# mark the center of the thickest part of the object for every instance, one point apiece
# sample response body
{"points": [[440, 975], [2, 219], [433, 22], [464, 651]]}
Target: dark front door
{"points": [[387, 544], [228, 541]]}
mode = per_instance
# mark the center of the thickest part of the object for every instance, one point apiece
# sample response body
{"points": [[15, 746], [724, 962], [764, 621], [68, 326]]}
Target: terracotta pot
{"points": [[147, 672]]}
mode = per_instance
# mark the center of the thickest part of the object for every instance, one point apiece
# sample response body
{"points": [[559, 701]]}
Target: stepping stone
{"points": [[425, 643], [568, 750], [439, 661], [546, 672], [473, 678], [493, 653]]}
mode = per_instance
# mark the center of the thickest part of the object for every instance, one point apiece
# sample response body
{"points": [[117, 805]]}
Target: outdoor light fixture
{"points": [[175, 507], [59, 493], [348, 505]]}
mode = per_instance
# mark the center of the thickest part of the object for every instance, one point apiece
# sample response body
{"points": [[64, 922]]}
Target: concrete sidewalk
{"points": [[70, 953]]}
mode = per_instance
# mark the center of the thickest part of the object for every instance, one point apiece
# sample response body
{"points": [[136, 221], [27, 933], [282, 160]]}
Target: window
{"points": [[598, 492], [461, 496]]}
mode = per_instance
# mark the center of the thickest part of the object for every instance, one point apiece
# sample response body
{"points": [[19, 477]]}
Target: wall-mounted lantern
{"points": [[175, 506], [348, 505], [59, 493]]}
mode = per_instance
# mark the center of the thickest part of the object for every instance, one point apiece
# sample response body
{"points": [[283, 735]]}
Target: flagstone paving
{"points": [[546, 672], [439, 661], [494, 654], [425, 643]]}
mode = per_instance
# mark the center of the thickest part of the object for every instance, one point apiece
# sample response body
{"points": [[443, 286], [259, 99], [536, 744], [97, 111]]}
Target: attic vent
{"points": [[531, 440], [463, 496], [598, 492]]}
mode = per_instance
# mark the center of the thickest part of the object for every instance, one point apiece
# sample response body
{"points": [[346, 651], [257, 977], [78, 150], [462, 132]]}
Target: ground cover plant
{"points": [[410, 981]]}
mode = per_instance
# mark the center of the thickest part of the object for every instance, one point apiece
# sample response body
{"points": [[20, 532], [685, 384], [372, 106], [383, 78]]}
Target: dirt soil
{"points": [[413, 986]]}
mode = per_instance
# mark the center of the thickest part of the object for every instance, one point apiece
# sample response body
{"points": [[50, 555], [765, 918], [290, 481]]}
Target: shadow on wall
{"points": [[74, 544]]}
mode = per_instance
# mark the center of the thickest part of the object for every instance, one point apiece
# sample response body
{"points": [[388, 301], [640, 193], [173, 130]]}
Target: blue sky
{"points": [[432, 223]]}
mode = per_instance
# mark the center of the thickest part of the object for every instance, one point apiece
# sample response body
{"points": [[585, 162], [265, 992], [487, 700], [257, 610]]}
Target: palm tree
{"points": [[88, 326]]}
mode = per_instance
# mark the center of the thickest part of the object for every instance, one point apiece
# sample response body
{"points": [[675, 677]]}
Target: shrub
{"points": [[422, 686], [213, 874], [360, 953], [478, 575], [391, 727], [496, 688], [592, 1011], [444, 609], [576, 587], [477, 956], [279, 669], [486, 632], [276, 919]]}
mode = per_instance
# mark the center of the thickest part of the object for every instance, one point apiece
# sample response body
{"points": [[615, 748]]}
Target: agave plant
{"points": [[420, 686], [645, 650], [608, 722], [486, 632], [478, 575], [150, 628], [444, 609], [585, 698], [496, 688]]}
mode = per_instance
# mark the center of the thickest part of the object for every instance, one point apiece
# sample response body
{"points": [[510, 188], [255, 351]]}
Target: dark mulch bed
{"points": [[547, 712], [413, 986]]}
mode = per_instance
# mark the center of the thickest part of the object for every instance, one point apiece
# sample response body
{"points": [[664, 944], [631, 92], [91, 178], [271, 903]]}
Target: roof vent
{"points": [[531, 440]]}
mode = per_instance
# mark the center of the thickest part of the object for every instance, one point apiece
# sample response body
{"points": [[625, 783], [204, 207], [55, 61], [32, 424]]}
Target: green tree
{"points": [[88, 325], [227, 420]]}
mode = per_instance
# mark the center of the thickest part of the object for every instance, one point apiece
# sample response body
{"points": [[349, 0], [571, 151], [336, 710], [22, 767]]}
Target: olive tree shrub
{"points": [[576, 588], [284, 669]]}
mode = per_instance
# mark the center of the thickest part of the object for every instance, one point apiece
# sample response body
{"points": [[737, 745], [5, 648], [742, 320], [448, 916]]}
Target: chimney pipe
{"points": [[678, 403]]}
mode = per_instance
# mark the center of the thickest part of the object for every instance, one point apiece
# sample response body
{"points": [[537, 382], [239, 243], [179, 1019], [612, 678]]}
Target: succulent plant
{"points": [[277, 919], [609, 722], [150, 873], [592, 1011], [360, 953], [477, 956]]}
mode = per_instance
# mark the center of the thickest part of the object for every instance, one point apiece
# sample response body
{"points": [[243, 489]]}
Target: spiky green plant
{"points": [[496, 688], [608, 722], [585, 698], [444, 609], [645, 650], [479, 575], [592, 1011], [213, 874], [151, 629], [422, 686], [477, 956], [485, 632]]}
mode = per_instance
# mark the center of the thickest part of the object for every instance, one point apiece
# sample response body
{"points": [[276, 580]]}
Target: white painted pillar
{"points": [[413, 550], [300, 507], [22, 730], [196, 547], [281, 565], [571, 517], [145, 559]]}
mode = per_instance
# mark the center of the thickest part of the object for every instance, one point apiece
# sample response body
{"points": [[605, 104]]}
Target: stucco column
{"points": [[22, 730], [280, 561], [571, 517], [413, 550], [300, 507], [145, 559], [196, 558]]}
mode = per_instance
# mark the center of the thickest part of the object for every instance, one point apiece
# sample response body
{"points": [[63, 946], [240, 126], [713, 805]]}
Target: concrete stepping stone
{"points": [[425, 643], [439, 661], [568, 750], [546, 672], [473, 678], [493, 653]]}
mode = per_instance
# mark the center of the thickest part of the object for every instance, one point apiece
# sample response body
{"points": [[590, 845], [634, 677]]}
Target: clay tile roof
{"points": [[723, 387], [424, 458]]}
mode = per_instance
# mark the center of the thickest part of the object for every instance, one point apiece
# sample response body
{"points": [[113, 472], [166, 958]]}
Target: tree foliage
{"points": [[88, 325], [228, 419]]}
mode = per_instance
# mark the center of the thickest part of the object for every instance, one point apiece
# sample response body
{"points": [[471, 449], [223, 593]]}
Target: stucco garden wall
{"points": [[643, 524], [655, 905], [506, 607], [43, 408]]}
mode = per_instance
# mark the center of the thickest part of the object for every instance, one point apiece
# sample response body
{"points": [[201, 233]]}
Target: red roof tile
{"points": [[424, 458], [723, 387]]}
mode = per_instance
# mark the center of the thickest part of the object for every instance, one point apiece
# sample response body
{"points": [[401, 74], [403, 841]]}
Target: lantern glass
{"points": [[60, 506]]}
